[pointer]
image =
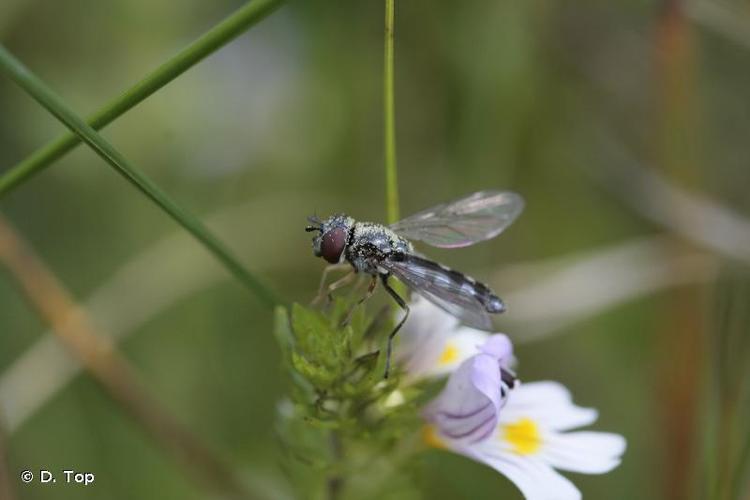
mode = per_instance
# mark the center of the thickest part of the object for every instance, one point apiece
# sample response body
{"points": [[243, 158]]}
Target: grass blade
{"points": [[54, 104], [95, 350], [209, 42]]}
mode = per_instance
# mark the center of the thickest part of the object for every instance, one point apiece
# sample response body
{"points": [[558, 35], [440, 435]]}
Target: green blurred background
{"points": [[567, 103]]}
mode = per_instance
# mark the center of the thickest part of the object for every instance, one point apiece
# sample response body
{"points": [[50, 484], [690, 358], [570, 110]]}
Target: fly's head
{"points": [[330, 242]]}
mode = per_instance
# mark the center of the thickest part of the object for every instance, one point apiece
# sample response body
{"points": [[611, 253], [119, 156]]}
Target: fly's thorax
{"points": [[380, 237], [371, 243]]}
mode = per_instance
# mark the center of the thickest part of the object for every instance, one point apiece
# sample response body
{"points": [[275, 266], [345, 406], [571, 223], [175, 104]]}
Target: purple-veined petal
{"points": [[499, 347], [468, 408]]}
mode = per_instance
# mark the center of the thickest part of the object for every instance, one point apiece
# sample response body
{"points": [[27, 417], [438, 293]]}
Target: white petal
{"points": [[457, 348], [586, 452], [549, 404], [423, 338], [429, 316], [433, 343], [535, 479]]}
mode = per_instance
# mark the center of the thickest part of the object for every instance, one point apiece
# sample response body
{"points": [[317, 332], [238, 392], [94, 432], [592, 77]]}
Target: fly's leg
{"points": [[402, 304], [367, 295], [324, 276], [348, 278]]}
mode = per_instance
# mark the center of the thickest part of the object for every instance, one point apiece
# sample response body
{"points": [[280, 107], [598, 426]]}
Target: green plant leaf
{"points": [[323, 344], [282, 330]]}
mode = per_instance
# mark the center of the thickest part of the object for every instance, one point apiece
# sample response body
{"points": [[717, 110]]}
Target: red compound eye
{"points": [[332, 244]]}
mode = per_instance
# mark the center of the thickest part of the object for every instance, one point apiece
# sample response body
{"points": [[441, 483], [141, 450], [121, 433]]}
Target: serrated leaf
{"points": [[319, 376], [320, 343], [363, 375], [338, 310]]}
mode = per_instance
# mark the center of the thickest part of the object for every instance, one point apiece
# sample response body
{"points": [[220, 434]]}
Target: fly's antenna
{"points": [[315, 223]]}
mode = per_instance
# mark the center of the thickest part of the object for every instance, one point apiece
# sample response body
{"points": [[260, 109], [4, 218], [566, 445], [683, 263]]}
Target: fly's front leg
{"points": [[402, 304], [368, 294], [348, 278], [322, 285]]}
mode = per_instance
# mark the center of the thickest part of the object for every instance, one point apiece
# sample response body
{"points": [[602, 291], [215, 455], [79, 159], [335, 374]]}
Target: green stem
{"points": [[740, 478], [335, 482], [208, 43], [389, 113], [54, 104]]}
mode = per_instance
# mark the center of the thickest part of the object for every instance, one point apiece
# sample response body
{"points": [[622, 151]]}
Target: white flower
{"points": [[529, 442], [520, 432], [434, 343]]}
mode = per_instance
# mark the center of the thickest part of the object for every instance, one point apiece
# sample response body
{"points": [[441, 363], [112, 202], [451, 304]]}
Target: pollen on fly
{"points": [[384, 251]]}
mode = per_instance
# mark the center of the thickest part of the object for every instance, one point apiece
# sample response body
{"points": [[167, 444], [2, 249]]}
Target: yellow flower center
{"points": [[523, 436], [449, 355], [431, 438]]}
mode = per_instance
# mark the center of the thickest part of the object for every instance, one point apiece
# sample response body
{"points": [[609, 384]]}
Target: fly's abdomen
{"points": [[491, 302], [440, 276]]}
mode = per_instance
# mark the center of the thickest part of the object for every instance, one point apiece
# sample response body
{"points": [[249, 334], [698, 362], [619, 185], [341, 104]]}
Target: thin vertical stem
{"points": [[336, 480], [679, 156], [740, 478], [389, 114]]}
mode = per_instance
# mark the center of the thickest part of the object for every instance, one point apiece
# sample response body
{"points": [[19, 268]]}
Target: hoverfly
{"points": [[385, 251]]}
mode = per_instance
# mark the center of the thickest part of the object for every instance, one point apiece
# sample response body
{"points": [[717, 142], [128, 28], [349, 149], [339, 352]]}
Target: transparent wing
{"points": [[463, 222], [445, 289]]}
